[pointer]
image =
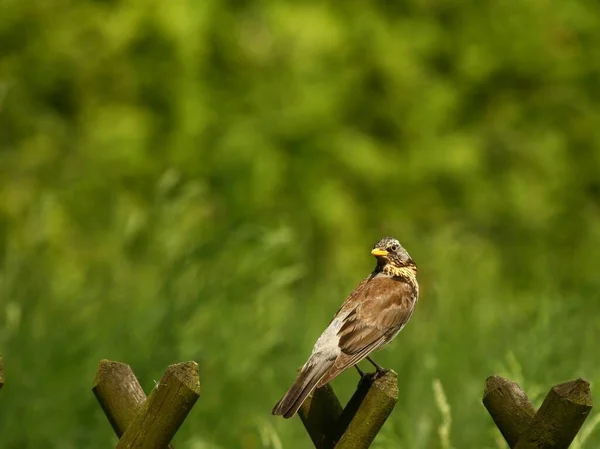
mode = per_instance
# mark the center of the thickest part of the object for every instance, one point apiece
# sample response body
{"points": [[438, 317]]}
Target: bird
{"points": [[370, 317]]}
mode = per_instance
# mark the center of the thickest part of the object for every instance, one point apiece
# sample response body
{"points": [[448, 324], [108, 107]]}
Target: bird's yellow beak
{"points": [[379, 252]]}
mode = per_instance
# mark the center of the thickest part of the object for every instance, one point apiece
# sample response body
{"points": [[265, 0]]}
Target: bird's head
{"points": [[388, 250]]}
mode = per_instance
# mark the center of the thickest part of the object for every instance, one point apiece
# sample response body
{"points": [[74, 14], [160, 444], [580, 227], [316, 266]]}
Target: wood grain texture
{"points": [[509, 407], [367, 410], [119, 393], [165, 409], [320, 413], [560, 417]]}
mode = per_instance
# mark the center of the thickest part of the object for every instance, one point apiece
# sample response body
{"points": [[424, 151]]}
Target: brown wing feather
{"points": [[377, 310], [388, 305], [345, 361]]}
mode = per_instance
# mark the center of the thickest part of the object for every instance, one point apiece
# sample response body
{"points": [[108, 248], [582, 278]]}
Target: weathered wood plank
{"points": [[509, 407], [367, 410], [165, 409], [119, 393], [320, 413], [560, 417]]}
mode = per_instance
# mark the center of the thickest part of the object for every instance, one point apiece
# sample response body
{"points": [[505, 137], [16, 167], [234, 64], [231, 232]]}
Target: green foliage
{"points": [[203, 180]]}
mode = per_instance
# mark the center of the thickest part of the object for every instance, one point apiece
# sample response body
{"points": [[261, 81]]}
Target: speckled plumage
{"points": [[372, 315]]}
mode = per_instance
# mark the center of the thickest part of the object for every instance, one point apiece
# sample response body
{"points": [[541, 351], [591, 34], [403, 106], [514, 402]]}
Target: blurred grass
{"points": [[204, 180]]}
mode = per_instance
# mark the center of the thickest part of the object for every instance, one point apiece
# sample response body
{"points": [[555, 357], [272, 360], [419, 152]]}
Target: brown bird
{"points": [[370, 318]]}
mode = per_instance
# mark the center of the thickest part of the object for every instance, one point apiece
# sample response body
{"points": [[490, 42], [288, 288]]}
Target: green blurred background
{"points": [[203, 180]]}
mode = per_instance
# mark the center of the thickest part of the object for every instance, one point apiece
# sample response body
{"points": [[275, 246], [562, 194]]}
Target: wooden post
{"points": [[1, 373], [367, 410], [164, 410], [119, 393], [560, 417], [320, 413], [509, 407]]}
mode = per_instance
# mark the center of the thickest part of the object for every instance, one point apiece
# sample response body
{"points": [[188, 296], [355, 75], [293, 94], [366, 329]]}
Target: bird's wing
{"points": [[385, 305], [378, 310], [344, 361]]}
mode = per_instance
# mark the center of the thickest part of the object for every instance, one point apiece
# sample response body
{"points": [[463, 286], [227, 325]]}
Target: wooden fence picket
{"points": [[356, 425], [151, 422], [140, 422], [555, 424]]}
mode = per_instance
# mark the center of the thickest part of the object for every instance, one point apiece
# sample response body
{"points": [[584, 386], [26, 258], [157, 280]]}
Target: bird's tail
{"points": [[305, 383]]}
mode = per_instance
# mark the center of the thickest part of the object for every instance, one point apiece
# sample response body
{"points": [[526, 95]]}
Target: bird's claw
{"points": [[361, 373], [381, 372]]}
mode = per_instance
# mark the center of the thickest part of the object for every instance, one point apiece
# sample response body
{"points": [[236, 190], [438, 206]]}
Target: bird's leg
{"points": [[360, 372], [380, 369]]}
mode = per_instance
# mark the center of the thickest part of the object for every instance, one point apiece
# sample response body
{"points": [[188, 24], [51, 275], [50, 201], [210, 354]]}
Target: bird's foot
{"points": [[381, 371], [361, 373]]}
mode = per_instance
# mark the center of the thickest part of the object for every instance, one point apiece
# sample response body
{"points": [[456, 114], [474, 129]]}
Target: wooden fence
{"points": [[553, 426], [140, 422], [151, 422], [356, 425]]}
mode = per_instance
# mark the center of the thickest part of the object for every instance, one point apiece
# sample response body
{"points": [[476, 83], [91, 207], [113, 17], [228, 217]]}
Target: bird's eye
{"points": [[393, 248]]}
